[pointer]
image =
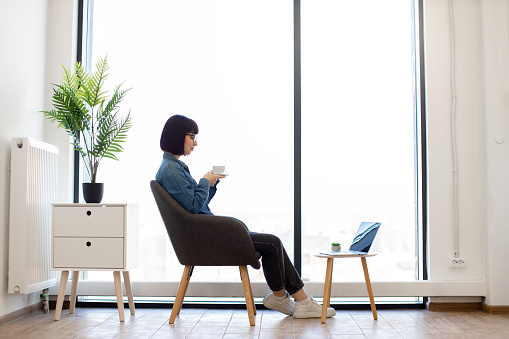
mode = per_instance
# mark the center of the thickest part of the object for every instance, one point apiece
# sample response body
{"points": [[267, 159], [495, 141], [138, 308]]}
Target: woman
{"points": [[179, 138]]}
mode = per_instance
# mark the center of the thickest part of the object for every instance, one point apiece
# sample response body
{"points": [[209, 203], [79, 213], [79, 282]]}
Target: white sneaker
{"points": [[311, 310], [285, 306]]}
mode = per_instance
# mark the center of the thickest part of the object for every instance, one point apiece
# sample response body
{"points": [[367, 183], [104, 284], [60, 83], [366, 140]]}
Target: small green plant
{"points": [[335, 244]]}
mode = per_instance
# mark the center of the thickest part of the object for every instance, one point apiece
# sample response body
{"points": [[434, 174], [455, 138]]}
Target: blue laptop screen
{"points": [[365, 236]]}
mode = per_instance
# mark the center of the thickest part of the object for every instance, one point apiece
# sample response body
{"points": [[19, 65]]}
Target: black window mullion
{"points": [[79, 58], [424, 165], [297, 213]]}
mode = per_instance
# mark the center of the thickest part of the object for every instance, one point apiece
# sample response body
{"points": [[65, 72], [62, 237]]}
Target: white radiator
{"points": [[34, 174]]}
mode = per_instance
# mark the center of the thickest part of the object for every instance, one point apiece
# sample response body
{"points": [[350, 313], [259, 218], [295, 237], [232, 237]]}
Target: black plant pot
{"points": [[93, 192]]}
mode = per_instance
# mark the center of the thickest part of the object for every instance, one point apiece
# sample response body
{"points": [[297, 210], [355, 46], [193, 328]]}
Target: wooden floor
{"points": [[202, 323]]}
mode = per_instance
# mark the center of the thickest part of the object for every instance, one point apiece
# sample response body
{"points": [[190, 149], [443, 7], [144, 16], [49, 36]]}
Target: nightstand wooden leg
{"points": [[118, 292], [128, 290], [368, 285], [61, 294], [74, 290], [327, 289]]}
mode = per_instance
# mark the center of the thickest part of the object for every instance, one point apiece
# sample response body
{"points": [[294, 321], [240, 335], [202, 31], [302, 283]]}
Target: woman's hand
{"points": [[212, 178]]}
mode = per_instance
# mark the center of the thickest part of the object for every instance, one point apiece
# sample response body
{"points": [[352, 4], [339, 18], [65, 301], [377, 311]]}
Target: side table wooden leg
{"points": [[61, 294], [74, 290], [128, 290], [118, 292], [368, 285], [327, 289]]}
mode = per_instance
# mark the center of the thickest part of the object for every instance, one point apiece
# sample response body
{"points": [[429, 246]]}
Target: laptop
{"points": [[362, 241]]}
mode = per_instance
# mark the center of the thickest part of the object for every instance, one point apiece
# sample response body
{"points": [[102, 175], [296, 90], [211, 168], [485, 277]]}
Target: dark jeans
{"points": [[278, 269]]}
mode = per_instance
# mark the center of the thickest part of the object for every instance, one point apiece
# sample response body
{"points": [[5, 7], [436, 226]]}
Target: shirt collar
{"points": [[171, 157]]}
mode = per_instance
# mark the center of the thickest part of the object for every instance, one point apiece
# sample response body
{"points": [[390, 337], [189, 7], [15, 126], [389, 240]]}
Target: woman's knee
{"points": [[274, 239], [268, 244], [275, 243], [266, 238]]}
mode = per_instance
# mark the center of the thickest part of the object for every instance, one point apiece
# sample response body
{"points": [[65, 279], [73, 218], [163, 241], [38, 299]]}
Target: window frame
{"points": [[85, 11]]}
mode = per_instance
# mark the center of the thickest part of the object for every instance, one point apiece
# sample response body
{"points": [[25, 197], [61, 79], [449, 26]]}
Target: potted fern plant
{"points": [[82, 107]]}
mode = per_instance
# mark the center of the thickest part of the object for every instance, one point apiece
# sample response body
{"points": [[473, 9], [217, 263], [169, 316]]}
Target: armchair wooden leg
{"points": [[248, 294], [251, 293], [184, 282], [190, 273], [250, 290]]}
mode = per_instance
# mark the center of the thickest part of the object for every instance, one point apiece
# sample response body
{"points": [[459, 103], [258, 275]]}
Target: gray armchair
{"points": [[206, 240]]}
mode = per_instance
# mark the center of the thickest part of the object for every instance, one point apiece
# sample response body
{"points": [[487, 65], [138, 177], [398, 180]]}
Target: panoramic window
{"points": [[213, 62], [229, 65], [359, 155]]}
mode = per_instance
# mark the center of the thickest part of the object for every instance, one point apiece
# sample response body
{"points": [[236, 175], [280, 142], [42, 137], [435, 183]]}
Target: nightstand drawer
{"points": [[88, 253], [88, 221]]}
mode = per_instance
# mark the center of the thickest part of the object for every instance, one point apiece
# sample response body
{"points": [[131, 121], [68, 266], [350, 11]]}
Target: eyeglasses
{"points": [[194, 138]]}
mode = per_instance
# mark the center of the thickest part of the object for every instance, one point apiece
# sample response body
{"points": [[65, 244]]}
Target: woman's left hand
{"points": [[212, 178]]}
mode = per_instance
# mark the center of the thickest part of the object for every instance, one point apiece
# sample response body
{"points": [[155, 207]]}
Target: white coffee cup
{"points": [[218, 169]]}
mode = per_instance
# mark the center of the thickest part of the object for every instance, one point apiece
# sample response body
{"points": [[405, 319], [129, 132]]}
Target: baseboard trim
{"points": [[454, 307], [19, 313], [53, 304], [468, 307], [495, 309]]}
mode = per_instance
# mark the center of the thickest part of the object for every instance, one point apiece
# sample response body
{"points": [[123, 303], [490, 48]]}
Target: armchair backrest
{"points": [[204, 240]]}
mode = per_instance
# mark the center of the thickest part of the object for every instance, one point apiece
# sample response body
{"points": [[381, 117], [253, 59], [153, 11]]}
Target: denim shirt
{"points": [[175, 177]]}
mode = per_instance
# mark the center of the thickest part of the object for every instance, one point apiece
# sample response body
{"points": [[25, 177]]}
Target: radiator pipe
{"points": [[45, 300]]}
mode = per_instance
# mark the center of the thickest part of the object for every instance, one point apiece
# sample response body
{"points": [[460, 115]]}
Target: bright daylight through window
{"points": [[359, 157], [229, 66]]}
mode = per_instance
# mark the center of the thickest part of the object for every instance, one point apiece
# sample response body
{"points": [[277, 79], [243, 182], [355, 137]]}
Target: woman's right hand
{"points": [[212, 178]]}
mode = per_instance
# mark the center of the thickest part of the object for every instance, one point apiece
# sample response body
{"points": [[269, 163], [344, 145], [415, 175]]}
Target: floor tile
{"points": [[229, 324]]}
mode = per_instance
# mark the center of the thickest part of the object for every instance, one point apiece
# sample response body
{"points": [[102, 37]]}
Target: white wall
{"points": [[440, 158], [480, 64], [495, 86], [60, 50], [27, 28], [43, 38]]}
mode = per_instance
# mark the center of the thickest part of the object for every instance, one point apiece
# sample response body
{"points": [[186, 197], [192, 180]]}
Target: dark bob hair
{"points": [[174, 133]]}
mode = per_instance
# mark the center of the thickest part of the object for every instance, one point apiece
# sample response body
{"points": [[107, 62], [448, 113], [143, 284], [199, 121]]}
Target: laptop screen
{"points": [[365, 236]]}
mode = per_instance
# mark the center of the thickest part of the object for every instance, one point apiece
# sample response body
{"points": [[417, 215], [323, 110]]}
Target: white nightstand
{"points": [[95, 237]]}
